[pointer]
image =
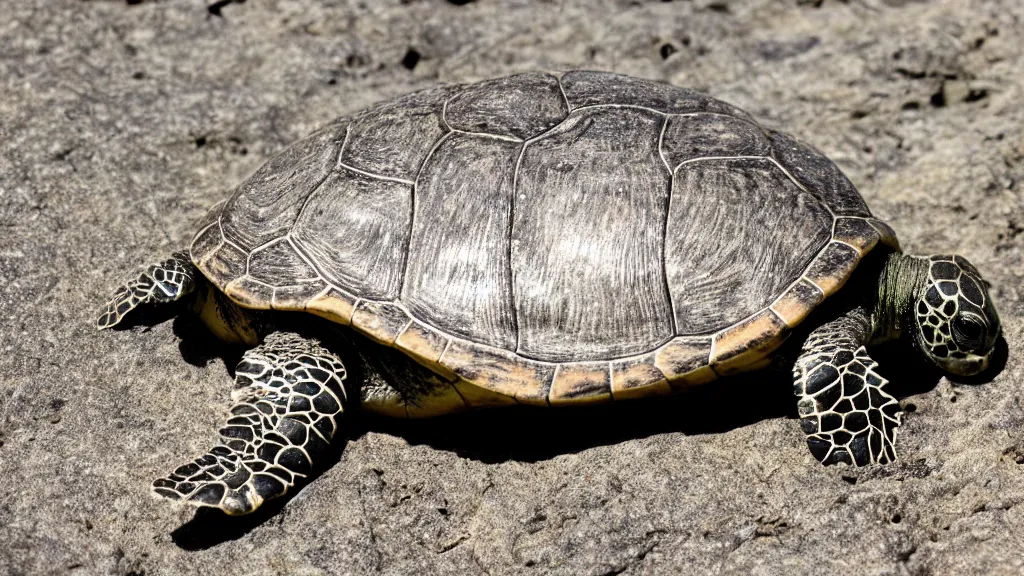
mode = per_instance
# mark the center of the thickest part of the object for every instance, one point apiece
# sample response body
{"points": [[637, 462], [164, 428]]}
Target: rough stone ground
{"points": [[121, 122]]}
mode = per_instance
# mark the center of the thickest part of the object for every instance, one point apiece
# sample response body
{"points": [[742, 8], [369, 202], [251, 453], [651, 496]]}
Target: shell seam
{"points": [[664, 228]]}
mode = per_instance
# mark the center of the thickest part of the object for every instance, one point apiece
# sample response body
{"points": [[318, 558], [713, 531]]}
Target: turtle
{"points": [[547, 239]]}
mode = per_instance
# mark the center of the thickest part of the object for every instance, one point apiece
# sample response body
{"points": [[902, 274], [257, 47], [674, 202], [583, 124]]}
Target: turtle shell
{"points": [[552, 239]]}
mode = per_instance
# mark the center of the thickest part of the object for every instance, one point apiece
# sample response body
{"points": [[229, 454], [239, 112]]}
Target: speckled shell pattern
{"points": [[552, 239]]}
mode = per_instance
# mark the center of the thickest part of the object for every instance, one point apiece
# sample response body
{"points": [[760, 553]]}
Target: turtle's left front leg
{"points": [[289, 403], [844, 411], [159, 283]]}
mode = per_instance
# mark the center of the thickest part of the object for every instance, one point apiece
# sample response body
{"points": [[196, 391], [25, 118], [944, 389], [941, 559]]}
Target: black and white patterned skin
{"points": [[290, 396], [163, 282], [844, 409], [955, 316], [580, 217]]}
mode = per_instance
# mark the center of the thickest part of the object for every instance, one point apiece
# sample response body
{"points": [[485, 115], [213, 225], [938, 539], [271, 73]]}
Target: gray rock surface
{"points": [[122, 122]]}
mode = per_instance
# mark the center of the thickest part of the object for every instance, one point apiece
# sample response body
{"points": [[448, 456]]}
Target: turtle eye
{"points": [[968, 331]]}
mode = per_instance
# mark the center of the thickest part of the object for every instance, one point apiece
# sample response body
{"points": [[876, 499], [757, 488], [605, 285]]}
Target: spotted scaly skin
{"points": [[290, 395], [163, 282], [955, 318], [844, 411]]}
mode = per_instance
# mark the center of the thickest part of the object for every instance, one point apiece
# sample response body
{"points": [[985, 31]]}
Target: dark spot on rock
{"points": [[411, 59], [216, 8], [851, 480], [140, 75], [912, 105], [461, 2], [718, 6], [775, 50], [200, 141], [666, 50], [896, 518], [975, 94]]}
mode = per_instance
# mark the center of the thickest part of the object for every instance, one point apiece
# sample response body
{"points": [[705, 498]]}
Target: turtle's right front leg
{"points": [[165, 281], [844, 411], [289, 399]]}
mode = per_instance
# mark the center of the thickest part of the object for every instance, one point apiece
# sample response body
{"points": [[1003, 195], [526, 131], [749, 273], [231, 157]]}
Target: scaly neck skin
{"points": [[900, 282]]}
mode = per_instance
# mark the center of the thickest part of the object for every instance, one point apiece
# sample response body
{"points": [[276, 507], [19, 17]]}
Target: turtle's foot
{"points": [[289, 400], [844, 411], [166, 281], [220, 479]]}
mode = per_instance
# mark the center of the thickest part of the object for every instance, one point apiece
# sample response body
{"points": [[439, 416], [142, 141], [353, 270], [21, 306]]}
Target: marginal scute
{"points": [[481, 397], [856, 232], [577, 383], [250, 293], [393, 139], [709, 135], [519, 106], [334, 305], [818, 174], [225, 264], [684, 361], [504, 372], [587, 88], [381, 321], [738, 346], [832, 267], [888, 235], [297, 296], [797, 302], [637, 377], [425, 345]]}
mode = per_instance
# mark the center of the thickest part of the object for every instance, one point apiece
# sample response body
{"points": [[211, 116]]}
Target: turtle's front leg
{"points": [[843, 408], [289, 399], [165, 281]]}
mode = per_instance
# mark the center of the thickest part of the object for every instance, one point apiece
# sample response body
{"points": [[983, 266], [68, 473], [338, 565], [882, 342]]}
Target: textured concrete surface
{"points": [[121, 122]]}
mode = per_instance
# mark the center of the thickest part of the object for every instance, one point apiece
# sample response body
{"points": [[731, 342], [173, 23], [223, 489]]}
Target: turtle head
{"points": [[956, 322]]}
